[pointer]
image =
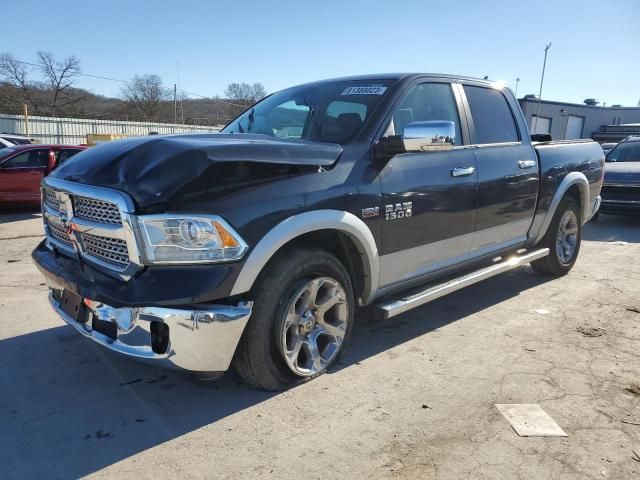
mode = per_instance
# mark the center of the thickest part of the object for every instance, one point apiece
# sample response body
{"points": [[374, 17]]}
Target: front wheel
{"points": [[563, 239], [302, 318]]}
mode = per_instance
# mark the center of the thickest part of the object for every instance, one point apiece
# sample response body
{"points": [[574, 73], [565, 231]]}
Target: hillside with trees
{"points": [[49, 87]]}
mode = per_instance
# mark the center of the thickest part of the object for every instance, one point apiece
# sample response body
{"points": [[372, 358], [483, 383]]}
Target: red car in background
{"points": [[22, 167]]}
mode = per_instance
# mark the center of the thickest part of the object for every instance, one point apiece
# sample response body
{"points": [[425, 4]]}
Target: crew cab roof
{"points": [[399, 76]]}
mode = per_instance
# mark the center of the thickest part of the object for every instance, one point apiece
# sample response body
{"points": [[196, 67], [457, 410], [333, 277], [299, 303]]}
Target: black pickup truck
{"points": [[255, 246]]}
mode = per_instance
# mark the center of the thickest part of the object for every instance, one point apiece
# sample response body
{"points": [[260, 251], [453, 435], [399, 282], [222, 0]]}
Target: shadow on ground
{"points": [[613, 228], [15, 215], [68, 408]]}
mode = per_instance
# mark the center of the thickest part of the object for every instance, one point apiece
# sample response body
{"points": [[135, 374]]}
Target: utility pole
{"points": [[517, 82], [181, 94], [175, 104], [181, 107], [544, 65], [26, 120]]}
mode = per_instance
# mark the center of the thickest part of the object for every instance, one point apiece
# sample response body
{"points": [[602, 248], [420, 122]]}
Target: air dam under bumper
{"points": [[200, 341]]}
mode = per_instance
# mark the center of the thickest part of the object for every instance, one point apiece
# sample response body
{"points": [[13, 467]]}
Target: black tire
{"points": [[259, 359], [553, 264]]}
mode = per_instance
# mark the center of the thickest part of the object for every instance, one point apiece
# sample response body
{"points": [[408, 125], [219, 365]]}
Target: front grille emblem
{"points": [[65, 221]]}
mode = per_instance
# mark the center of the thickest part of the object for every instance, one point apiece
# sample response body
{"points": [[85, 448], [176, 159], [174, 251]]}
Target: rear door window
{"points": [[64, 155], [492, 117]]}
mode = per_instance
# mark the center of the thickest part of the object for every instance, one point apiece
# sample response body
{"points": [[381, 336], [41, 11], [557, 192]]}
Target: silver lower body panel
{"points": [[391, 308], [201, 340]]}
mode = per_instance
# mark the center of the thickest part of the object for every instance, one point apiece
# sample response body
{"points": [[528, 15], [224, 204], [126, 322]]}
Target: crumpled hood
{"points": [[152, 169], [622, 172]]}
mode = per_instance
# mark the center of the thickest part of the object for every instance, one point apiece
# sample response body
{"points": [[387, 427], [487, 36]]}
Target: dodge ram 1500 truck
{"points": [[254, 247]]}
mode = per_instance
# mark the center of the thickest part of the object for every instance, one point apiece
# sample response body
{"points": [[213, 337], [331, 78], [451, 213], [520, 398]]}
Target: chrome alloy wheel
{"points": [[314, 326], [567, 237]]}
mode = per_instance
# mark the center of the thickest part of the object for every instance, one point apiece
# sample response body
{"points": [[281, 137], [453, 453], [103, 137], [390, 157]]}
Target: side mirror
{"points": [[428, 136], [432, 135]]}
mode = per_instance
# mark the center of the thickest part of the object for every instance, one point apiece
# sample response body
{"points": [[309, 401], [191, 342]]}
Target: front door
{"points": [[428, 198], [507, 172], [20, 176]]}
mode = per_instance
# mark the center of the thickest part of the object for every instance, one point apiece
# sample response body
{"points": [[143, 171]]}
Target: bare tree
{"points": [[244, 93], [56, 91], [14, 73], [146, 94], [59, 77]]}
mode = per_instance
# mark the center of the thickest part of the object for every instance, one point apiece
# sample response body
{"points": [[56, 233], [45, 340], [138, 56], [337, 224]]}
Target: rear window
{"points": [[492, 118], [64, 155]]}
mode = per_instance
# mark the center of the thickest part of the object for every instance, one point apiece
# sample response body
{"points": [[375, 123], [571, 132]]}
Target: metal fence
{"points": [[73, 131]]}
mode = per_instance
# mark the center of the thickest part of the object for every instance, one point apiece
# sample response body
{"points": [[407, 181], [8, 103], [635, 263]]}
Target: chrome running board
{"points": [[391, 308]]}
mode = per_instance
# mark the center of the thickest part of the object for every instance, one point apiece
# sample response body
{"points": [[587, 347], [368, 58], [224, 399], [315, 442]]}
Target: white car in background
{"points": [[8, 140]]}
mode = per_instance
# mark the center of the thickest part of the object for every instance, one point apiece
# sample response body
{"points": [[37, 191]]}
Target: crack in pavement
{"points": [[19, 237]]}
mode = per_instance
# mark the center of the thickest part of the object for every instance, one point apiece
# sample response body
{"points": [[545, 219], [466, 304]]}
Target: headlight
{"points": [[189, 239]]}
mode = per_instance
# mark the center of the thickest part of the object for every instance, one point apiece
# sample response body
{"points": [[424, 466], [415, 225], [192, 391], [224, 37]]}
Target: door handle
{"points": [[526, 163], [462, 171]]}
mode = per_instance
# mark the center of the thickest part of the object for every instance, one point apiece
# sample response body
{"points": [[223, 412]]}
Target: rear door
{"points": [[21, 174], [64, 154], [429, 209], [507, 169]]}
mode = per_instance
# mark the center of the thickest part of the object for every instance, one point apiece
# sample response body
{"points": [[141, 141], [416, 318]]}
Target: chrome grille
{"points": [[110, 250], [51, 200], [91, 223], [57, 231], [98, 211]]}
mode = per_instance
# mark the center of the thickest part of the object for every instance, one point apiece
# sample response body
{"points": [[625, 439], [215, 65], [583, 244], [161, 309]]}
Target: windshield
{"points": [[326, 112], [5, 152], [625, 152]]}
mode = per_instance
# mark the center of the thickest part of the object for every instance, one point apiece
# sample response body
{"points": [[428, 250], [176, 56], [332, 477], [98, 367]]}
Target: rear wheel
{"points": [[563, 239], [302, 318]]}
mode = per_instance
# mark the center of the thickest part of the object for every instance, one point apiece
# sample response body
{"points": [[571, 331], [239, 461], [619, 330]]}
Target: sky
{"points": [[594, 52]]}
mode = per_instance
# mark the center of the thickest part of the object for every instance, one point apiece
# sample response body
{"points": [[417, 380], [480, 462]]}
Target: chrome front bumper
{"points": [[201, 341]]}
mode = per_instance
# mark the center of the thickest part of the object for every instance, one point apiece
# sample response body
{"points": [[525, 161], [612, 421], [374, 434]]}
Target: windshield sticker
{"points": [[364, 90]]}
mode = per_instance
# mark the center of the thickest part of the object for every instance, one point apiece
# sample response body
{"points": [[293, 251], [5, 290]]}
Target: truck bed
{"points": [[558, 158]]}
